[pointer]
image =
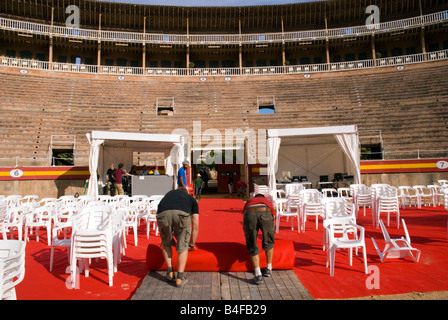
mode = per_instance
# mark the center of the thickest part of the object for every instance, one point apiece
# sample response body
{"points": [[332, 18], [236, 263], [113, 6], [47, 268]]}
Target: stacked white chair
{"points": [[311, 205], [344, 234], [408, 195], [362, 197], [261, 189], [3, 216], [388, 202], [93, 236], [12, 267], [293, 188]]}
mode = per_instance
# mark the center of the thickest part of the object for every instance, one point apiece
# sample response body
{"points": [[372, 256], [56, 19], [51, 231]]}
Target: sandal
{"points": [[180, 282], [170, 276]]}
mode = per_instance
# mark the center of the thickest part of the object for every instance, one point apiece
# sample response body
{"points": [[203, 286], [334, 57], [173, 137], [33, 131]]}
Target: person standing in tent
{"points": [[118, 174], [258, 214], [177, 217], [110, 186], [182, 175]]}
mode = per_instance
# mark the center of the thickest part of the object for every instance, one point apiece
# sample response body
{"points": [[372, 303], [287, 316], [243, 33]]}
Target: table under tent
{"points": [[115, 147], [312, 153]]}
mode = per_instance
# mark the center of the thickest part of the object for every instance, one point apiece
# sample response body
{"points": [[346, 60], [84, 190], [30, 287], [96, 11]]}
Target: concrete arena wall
{"points": [[42, 188]]}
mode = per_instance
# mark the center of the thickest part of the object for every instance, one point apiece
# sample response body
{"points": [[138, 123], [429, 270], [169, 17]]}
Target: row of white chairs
{"points": [[58, 217]]}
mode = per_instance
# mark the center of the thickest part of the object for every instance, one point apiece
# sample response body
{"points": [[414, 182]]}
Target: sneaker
{"points": [[258, 280], [267, 272]]}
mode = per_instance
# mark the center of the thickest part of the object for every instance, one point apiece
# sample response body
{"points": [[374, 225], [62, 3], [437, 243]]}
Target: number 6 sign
{"points": [[16, 173]]}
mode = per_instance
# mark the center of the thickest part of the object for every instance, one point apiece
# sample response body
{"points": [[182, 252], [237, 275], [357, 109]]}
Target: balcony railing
{"points": [[306, 69], [220, 39]]}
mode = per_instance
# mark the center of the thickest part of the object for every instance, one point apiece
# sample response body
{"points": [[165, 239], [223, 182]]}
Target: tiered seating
{"points": [[409, 107]]}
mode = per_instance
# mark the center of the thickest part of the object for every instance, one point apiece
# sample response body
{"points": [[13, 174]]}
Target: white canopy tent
{"points": [[114, 147], [311, 150]]}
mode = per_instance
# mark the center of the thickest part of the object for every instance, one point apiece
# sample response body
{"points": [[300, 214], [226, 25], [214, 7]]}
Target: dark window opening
{"points": [[63, 157], [371, 152]]}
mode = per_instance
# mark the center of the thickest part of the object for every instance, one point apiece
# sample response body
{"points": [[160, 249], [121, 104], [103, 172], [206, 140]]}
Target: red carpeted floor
{"points": [[220, 220]]}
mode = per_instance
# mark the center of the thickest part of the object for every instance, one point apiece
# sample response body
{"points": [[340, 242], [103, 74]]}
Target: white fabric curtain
{"points": [[273, 149], [349, 142], [92, 189]]}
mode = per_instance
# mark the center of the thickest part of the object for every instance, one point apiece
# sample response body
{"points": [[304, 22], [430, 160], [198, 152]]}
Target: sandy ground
{"points": [[435, 295]]}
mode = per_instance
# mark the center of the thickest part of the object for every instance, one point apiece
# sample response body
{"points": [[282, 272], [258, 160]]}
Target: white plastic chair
{"points": [[151, 217], [12, 267], [30, 199], [130, 220], [93, 235], [40, 217], [311, 205], [285, 209], [339, 231], [13, 200], [408, 195], [345, 193], [329, 192], [15, 220], [397, 248], [424, 195], [56, 241], [437, 194], [337, 208]]}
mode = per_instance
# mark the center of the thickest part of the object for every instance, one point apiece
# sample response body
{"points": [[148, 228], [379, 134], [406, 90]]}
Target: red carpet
{"points": [[223, 256], [220, 221]]}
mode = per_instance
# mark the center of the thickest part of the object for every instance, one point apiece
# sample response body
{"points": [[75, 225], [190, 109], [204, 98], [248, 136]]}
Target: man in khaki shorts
{"points": [[258, 214], [178, 218]]}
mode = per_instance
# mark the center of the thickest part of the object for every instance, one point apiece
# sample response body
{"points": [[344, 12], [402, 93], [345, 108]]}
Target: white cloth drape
{"points": [[349, 142], [174, 159], [273, 149], [92, 189]]}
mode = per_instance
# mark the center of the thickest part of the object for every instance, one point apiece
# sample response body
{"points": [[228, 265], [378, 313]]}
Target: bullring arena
{"points": [[326, 97]]}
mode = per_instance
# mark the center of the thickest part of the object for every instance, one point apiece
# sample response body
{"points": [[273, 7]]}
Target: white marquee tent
{"points": [[312, 149], [114, 147]]}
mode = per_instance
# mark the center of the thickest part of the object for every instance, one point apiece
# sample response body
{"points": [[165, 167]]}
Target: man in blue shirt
{"points": [[182, 175]]}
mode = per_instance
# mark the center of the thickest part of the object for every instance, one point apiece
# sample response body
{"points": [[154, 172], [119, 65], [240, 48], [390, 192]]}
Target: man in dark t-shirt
{"points": [[178, 214]]}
